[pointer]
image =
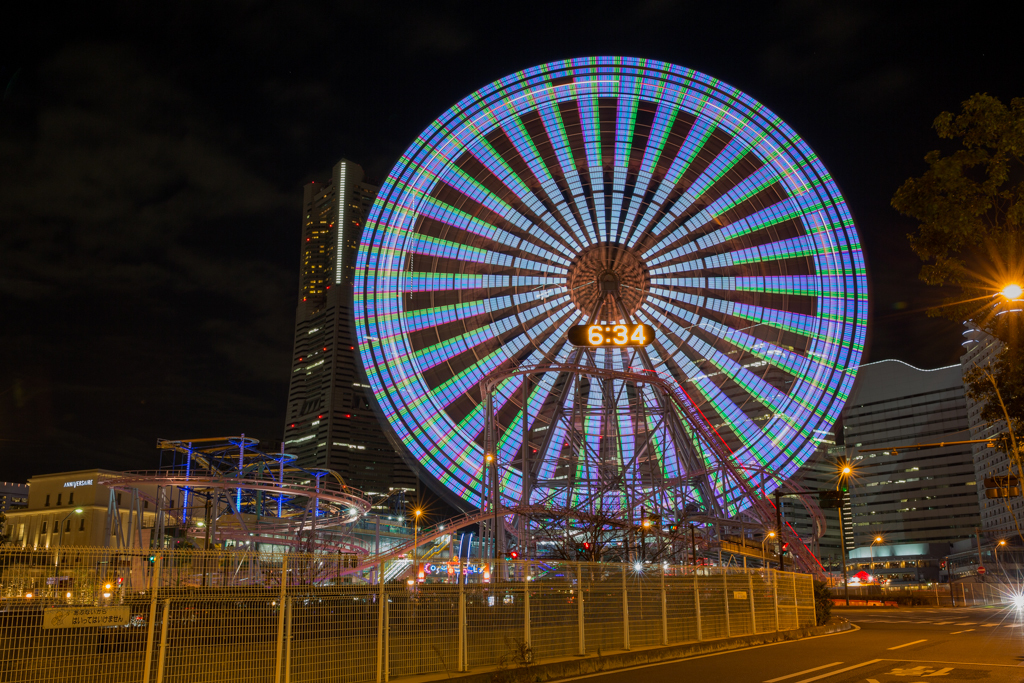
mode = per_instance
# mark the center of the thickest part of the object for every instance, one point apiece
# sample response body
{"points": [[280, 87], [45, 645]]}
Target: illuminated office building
{"points": [[330, 419], [909, 495]]}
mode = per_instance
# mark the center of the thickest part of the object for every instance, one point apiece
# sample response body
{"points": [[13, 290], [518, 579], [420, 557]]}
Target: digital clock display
{"points": [[611, 335]]}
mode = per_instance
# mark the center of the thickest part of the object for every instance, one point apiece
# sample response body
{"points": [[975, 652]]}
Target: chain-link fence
{"points": [[82, 615]]}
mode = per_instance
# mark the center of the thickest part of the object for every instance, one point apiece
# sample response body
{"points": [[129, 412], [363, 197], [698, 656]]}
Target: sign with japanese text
{"points": [[79, 617]]}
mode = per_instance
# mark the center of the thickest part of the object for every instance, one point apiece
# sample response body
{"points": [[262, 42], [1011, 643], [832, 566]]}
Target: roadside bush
{"points": [[822, 602]]}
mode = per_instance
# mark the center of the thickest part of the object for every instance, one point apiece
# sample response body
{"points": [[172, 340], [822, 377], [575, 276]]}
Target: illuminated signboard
{"points": [[431, 569], [609, 334], [76, 484]]}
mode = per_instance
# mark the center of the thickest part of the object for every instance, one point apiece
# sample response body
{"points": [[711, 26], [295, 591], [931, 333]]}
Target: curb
{"points": [[591, 664]]}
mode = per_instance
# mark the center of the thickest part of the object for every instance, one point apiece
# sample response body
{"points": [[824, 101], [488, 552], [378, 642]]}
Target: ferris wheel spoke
{"points": [[794, 248], [439, 361], [731, 417], [584, 116], [520, 216], [559, 200], [795, 364], [746, 197], [573, 182], [495, 163], [784, 214], [674, 181], [412, 282], [668, 129], [794, 285], [787, 321], [459, 253], [448, 215], [720, 173], [416, 319], [627, 106], [772, 395]]}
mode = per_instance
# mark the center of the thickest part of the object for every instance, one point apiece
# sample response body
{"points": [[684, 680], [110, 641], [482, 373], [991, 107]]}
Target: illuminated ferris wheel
{"points": [[624, 216]]}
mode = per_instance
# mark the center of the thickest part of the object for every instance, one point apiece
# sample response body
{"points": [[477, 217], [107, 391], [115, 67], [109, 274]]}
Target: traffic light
{"points": [[514, 555], [832, 499], [784, 548], [152, 558]]}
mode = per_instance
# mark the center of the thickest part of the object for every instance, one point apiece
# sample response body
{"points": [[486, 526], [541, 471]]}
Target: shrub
{"points": [[822, 602]]}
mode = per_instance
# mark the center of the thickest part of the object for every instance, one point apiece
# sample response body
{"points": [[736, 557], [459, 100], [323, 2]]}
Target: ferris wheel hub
{"points": [[611, 275]]}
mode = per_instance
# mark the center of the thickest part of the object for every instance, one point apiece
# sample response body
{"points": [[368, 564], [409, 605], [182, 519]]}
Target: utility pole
{"points": [[693, 546], [977, 539], [778, 525]]}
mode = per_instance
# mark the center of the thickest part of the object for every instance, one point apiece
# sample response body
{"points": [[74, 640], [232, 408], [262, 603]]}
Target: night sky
{"points": [[152, 157]]}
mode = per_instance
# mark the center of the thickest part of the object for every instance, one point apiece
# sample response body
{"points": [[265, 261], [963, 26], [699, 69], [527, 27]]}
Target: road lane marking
{"points": [[839, 671], [989, 625], [903, 645], [966, 630], [968, 623], [801, 673], [942, 623]]}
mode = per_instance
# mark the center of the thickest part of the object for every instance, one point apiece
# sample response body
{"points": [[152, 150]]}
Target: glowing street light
{"points": [[771, 534], [878, 539], [1012, 291], [416, 535], [996, 550]]}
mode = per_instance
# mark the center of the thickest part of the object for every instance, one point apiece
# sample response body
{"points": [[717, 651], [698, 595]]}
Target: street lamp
{"points": [[1012, 291], [844, 474], [771, 534], [643, 539], [60, 541], [996, 550], [416, 536], [878, 539]]}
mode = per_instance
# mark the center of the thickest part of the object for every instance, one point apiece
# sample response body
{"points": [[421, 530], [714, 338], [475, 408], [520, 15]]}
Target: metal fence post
{"points": [[279, 652], [381, 598], [163, 642], [775, 596], [462, 619], [288, 642], [664, 609], [579, 608], [625, 611], [387, 641], [753, 610], [154, 588], [725, 600], [526, 604], [814, 601], [696, 606], [796, 602]]}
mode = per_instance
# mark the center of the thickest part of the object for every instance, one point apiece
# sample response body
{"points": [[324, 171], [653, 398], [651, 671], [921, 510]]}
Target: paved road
{"points": [[913, 645]]}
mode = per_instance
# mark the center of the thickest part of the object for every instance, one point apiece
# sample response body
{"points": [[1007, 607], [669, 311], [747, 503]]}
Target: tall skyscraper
{"points": [[999, 516], [330, 420], [909, 495]]}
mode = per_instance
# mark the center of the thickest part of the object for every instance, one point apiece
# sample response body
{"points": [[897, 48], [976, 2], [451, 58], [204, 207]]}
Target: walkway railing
{"points": [[74, 615]]}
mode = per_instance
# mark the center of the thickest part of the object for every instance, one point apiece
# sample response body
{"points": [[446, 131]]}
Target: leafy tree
{"points": [[969, 205]]}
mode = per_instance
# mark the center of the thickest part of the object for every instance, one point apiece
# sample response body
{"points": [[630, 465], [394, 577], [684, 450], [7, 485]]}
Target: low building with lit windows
{"points": [[902, 564], [71, 508]]}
